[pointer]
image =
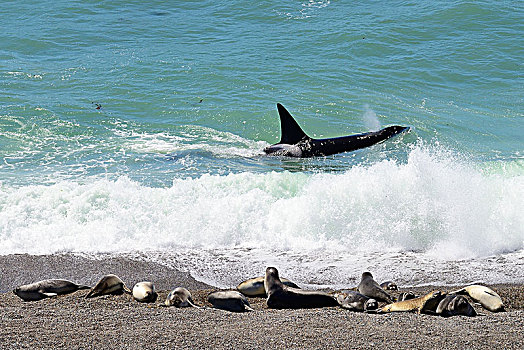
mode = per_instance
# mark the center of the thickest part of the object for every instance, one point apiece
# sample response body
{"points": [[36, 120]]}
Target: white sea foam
{"points": [[432, 209]]}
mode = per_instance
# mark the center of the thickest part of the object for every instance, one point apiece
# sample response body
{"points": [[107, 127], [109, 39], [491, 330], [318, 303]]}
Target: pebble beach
{"points": [[117, 321]]}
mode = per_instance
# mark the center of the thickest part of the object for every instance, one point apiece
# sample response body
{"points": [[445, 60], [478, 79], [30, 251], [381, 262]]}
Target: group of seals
{"points": [[284, 294], [488, 298]]}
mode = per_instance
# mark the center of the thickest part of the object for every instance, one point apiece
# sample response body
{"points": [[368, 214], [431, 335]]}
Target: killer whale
{"points": [[295, 143]]}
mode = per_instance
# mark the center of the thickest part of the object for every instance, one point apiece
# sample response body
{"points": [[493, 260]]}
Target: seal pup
{"points": [[487, 297], [144, 292], [280, 296], [46, 289], [389, 285], [370, 288], [109, 284], [425, 303], [295, 143], [230, 300], [254, 287], [406, 296], [453, 305], [180, 297], [354, 301]]}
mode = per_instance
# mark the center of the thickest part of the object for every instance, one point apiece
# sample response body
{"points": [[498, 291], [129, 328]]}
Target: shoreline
{"points": [[116, 322]]}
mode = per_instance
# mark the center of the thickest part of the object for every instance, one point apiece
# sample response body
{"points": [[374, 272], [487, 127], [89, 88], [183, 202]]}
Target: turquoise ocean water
{"points": [[137, 129]]}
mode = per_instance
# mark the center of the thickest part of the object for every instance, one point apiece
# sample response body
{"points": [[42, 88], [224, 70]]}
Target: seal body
{"points": [[254, 287], [406, 296], [487, 297], [354, 301], [453, 305], [370, 288], [180, 297], [428, 302], [144, 292], [46, 289], [230, 300], [389, 285], [109, 284], [280, 296]]}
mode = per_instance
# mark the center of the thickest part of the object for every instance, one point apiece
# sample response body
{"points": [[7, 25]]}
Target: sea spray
{"points": [[429, 202], [370, 119]]}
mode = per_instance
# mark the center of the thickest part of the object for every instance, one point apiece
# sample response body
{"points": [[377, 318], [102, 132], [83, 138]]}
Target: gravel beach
{"points": [[118, 322]]}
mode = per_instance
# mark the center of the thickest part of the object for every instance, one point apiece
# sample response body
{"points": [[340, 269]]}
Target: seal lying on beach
{"points": [[109, 284], [453, 305], [354, 301], [370, 288], [280, 296], [428, 302], [230, 300], [406, 296], [389, 285], [144, 292], [488, 298], [46, 289], [254, 287], [180, 297]]}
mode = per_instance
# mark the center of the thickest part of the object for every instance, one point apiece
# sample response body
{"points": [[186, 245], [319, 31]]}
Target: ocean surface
{"points": [[136, 129]]}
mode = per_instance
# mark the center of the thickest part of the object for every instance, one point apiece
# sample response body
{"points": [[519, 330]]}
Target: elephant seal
{"points": [[254, 287], [354, 301], [180, 297], [230, 300], [46, 289], [453, 305], [280, 296], [406, 296], [389, 285], [488, 298], [109, 284], [370, 288], [426, 303], [144, 292]]}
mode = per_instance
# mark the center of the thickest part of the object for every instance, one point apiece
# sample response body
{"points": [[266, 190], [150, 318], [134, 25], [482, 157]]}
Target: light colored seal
{"points": [[280, 296], [428, 302], [389, 285], [109, 284], [46, 289], [370, 288], [453, 305], [180, 297], [144, 292], [354, 301], [254, 287], [488, 298], [230, 300]]}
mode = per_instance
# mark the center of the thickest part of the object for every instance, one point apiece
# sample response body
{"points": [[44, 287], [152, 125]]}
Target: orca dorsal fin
{"points": [[290, 130]]}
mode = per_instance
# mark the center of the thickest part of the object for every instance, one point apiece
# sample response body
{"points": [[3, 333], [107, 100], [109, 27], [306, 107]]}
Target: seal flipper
{"points": [[50, 295], [290, 130]]}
